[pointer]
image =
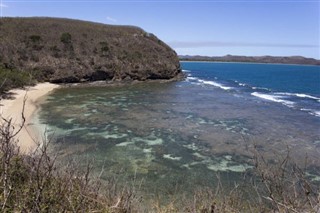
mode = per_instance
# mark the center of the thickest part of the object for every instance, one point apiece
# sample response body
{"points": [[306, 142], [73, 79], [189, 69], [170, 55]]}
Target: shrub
{"points": [[65, 38], [137, 55], [55, 51], [13, 79], [35, 38], [34, 42], [284, 186], [104, 48]]}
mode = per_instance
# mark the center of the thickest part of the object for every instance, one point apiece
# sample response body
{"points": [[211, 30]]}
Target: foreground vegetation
{"points": [[36, 183]]}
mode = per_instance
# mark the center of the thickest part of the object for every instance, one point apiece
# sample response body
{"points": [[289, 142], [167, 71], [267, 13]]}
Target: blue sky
{"points": [[205, 27]]}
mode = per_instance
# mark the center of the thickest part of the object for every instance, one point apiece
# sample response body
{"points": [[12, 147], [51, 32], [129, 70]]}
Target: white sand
{"points": [[29, 136]]}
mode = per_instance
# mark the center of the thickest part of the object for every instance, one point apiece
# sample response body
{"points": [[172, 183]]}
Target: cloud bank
{"points": [[187, 44]]}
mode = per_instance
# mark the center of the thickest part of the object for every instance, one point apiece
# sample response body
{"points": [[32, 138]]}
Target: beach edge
{"points": [[26, 100]]}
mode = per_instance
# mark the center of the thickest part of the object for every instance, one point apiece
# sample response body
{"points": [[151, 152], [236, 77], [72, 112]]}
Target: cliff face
{"points": [[63, 50]]}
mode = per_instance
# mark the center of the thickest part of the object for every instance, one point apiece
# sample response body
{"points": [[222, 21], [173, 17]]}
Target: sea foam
{"points": [[312, 112], [199, 81], [300, 95], [215, 84], [274, 98]]}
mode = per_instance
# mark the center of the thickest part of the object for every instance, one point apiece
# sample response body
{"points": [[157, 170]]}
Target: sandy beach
{"points": [[12, 108]]}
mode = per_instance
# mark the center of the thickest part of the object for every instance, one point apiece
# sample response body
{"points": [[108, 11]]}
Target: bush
{"points": [[56, 52], [283, 185], [13, 79], [104, 46], [65, 38], [34, 41], [35, 38], [33, 184]]}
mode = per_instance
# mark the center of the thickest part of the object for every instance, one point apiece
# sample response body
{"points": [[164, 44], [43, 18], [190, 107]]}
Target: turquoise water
{"points": [[171, 138]]}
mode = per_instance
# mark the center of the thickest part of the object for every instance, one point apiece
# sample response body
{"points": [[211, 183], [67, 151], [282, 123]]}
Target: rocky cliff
{"points": [[67, 51]]}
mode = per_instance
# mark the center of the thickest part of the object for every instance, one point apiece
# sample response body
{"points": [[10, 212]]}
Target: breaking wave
{"points": [[299, 101], [298, 95], [212, 83], [274, 98]]}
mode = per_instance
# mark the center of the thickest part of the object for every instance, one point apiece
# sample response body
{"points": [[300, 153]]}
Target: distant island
{"points": [[253, 59]]}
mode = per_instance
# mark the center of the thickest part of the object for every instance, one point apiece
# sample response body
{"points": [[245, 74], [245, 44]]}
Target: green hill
{"points": [[68, 51]]}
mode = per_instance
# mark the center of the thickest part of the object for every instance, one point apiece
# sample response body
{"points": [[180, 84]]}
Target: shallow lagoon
{"points": [[170, 138]]}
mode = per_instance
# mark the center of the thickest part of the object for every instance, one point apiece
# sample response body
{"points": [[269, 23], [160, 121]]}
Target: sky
{"points": [[203, 27]]}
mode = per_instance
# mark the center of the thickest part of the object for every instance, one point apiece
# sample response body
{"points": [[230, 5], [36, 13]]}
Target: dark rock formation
{"points": [[254, 59], [64, 50]]}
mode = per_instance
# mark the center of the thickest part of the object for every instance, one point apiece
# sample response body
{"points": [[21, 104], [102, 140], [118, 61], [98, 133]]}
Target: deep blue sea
{"points": [[169, 139], [295, 86]]}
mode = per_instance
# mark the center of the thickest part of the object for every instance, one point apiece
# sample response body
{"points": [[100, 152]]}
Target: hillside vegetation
{"points": [[68, 51]]}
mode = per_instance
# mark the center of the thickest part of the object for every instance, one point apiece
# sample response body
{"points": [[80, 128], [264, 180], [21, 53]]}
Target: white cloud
{"points": [[111, 19], [186, 44], [3, 5]]}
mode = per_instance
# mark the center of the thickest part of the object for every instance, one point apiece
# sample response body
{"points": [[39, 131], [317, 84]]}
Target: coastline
{"points": [[30, 134], [242, 62]]}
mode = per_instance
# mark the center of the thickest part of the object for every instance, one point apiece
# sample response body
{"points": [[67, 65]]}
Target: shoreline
{"points": [[104, 83], [12, 108], [243, 62], [32, 132]]}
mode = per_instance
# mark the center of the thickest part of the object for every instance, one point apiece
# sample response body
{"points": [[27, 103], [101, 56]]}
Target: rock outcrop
{"points": [[68, 51]]}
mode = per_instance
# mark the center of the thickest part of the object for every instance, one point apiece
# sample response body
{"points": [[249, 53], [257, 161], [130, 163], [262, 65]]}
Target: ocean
{"points": [[172, 138], [295, 86]]}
